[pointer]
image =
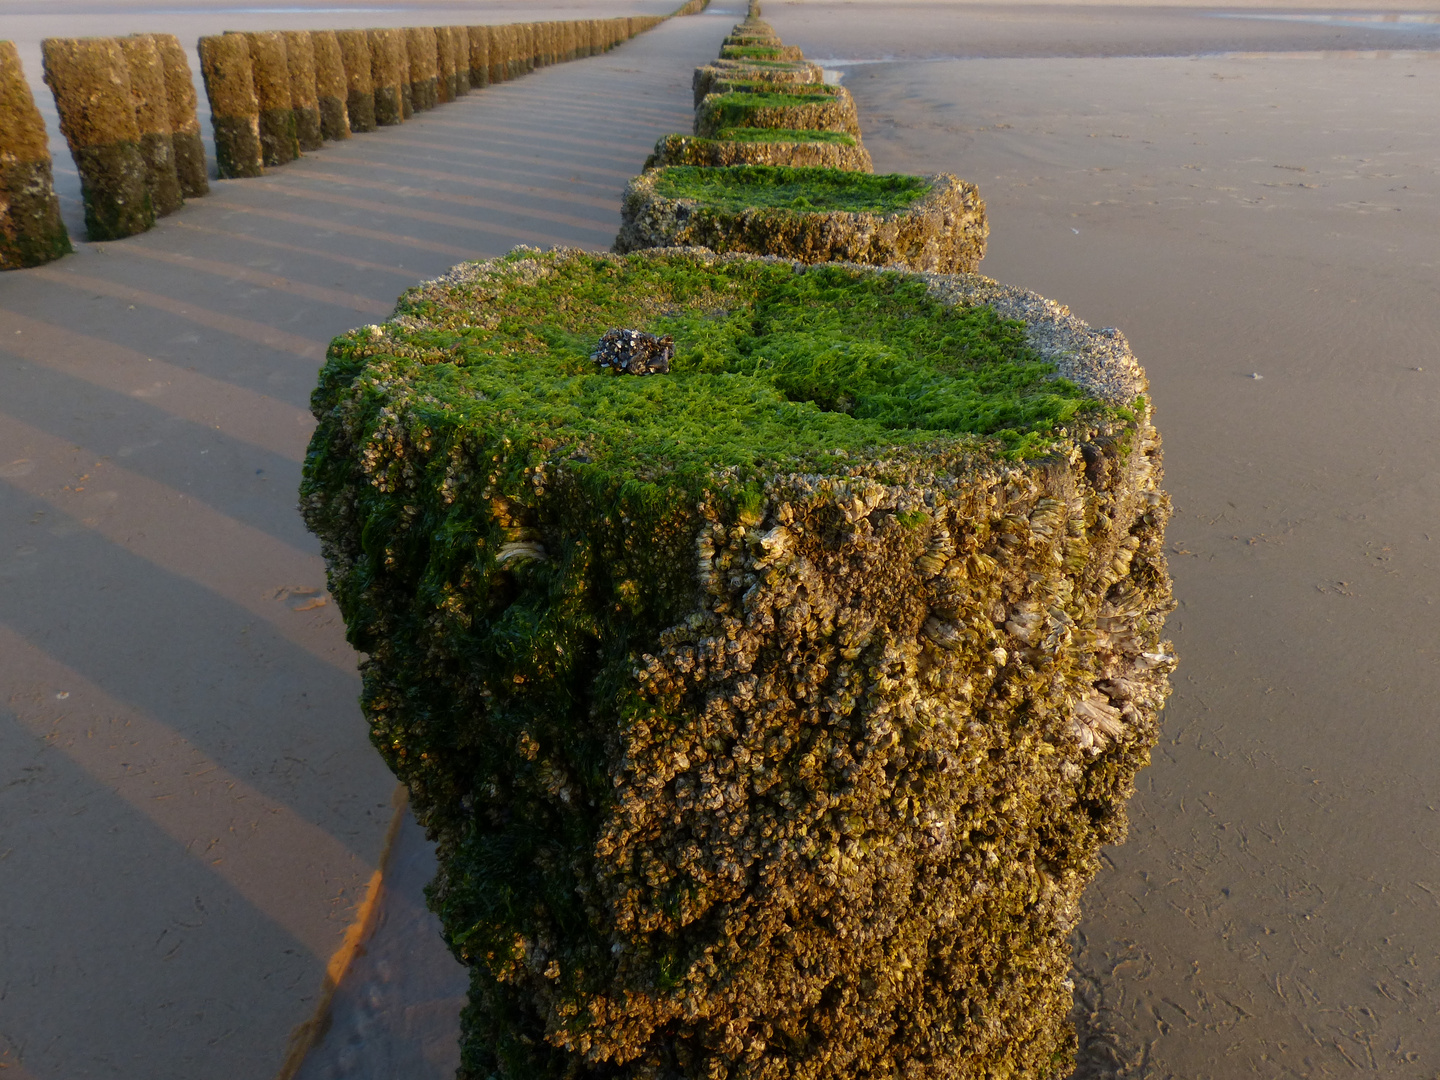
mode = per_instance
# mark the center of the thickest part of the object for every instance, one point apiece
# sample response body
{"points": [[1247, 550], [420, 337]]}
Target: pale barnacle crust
{"points": [[796, 769]]}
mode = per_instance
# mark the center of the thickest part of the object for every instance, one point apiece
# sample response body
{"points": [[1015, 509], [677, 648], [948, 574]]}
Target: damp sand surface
{"points": [[190, 811], [1261, 225]]}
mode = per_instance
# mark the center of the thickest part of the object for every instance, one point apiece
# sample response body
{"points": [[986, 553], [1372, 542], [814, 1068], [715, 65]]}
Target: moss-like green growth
{"points": [[774, 146], [789, 365], [764, 135], [833, 110], [760, 52], [788, 73], [811, 214], [758, 740], [762, 86], [745, 186]]}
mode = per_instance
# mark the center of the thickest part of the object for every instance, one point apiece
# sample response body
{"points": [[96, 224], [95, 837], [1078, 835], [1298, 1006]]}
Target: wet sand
{"points": [[1263, 229], [191, 815]]}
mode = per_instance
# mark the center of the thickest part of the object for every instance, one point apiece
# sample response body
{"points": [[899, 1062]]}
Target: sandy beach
{"points": [[190, 813], [1262, 227]]}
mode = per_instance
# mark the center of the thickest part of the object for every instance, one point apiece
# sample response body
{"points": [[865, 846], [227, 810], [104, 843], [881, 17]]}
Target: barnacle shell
{"points": [[521, 551], [1095, 720]]}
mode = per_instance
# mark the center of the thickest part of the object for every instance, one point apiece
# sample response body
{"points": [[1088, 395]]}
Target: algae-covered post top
{"points": [[770, 699], [814, 214]]}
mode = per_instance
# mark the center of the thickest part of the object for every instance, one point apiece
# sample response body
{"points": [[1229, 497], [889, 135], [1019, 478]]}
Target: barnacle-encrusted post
{"points": [[359, 84], [91, 84], [330, 85], [703, 81], [389, 56], [813, 214], [31, 231], [460, 47], [304, 88], [270, 68], [152, 119], [479, 43], [234, 107], [763, 146], [769, 710], [424, 67], [502, 45], [184, 121]]}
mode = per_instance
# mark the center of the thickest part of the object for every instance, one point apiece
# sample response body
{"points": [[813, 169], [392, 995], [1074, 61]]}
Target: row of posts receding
{"points": [[129, 111]]}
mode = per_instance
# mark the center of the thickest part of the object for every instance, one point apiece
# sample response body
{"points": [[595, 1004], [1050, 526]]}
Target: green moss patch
{"points": [[768, 135], [770, 86], [744, 186], [796, 152], [778, 109], [754, 52], [773, 363]]}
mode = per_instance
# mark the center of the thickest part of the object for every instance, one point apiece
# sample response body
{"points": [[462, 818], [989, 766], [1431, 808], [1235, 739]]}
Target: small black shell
{"points": [[634, 352]]}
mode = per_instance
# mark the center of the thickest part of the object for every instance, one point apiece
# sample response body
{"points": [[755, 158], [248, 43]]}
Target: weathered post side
{"points": [[330, 87], [181, 103], [359, 89], [502, 40], [270, 69], [91, 84], [525, 47], [444, 65], [234, 108], [31, 231], [387, 46], [304, 88], [152, 118], [478, 38], [407, 100], [424, 67]]}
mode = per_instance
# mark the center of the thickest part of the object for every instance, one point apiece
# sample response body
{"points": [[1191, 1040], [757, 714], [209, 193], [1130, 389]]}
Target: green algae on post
{"points": [[91, 84], [704, 79], [736, 713], [31, 231], [932, 223], [779, 108], [182, 104], [763, 146], [793, 189], [761, 52]]}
